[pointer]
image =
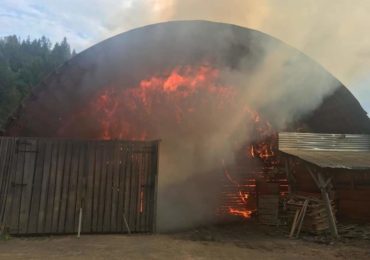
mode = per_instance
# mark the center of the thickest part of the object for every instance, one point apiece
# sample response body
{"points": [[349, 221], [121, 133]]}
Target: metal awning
{"points": [[328, 150]]}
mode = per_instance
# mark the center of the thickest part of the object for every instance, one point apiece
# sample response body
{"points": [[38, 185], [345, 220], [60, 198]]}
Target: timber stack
{"points": [[308, 213]]}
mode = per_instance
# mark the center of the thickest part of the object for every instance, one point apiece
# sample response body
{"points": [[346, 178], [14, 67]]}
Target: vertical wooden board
{"points": [[52, 187], [81, 187], [148, 190], [128, 187], [65, 188], [5, 155], [58, 189], [70, 214], [153, 201], [45, 185], [119, 200], [2, 178], [10, 176], [134, 192], [148, 177], [96, 186], [11, 199], [90, 177], [115, 187], [142, 197], [38, 177], [140, 191], [122, 208], [31, 155], [144, 188], [104, 187], [108, 190], [101, 187], [14, 210]]}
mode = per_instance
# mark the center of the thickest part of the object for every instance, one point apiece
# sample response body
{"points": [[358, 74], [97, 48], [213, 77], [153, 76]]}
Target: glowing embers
{"points": [[246, 213], [236, 196], [259, 161], [261, 150], [243, 213], [265, 139]]}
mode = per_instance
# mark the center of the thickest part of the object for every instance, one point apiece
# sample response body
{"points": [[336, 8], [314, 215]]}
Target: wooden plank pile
{"points": [[307, 213], [268, 209], [355, 231]]}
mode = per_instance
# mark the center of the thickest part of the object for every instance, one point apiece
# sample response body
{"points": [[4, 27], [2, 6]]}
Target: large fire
{"points": [[175, 99]]}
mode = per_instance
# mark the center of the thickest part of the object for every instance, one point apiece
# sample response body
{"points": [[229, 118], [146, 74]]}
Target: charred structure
{"points": [[216, 94]]}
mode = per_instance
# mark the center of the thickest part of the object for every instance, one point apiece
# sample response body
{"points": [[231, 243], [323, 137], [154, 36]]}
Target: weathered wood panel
{"points": [[44, 183]]}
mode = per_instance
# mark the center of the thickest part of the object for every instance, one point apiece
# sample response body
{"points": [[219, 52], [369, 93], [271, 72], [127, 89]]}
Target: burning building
{"points": [[216, 94]]}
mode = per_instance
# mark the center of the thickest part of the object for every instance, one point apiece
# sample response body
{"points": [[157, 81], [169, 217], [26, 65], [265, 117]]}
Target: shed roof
{"points": [[328, 150]]}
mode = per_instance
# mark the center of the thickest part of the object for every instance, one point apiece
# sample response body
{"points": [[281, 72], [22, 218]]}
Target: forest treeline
{"points": [[23, 64]]}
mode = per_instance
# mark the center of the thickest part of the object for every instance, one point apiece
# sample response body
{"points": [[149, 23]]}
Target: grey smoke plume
{"points": [[264, 75], [334, 33], [283, 86]]}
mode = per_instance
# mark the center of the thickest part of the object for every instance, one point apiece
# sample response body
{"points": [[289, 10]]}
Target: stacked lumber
{"points": [[310, 210], [354, 231], [268, 209]]}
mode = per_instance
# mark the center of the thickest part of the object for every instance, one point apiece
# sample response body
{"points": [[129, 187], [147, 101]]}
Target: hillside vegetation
{"points": [[23, 63]]}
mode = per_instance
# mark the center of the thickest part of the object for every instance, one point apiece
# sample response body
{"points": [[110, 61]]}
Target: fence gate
{"points": [[45, 183]]}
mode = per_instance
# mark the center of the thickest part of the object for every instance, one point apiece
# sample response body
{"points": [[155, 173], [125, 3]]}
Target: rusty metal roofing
{"points": [[346, 151]]}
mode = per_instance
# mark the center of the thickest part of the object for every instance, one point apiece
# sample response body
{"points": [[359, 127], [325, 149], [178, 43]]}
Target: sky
{"points": [[336, 34]]}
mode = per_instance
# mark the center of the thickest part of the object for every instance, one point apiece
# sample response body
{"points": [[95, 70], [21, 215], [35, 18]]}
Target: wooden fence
{"points": [[46, 183]]}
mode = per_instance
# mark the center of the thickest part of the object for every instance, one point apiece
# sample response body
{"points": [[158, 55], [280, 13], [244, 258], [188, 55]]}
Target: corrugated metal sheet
{"points": [[328, 150]]}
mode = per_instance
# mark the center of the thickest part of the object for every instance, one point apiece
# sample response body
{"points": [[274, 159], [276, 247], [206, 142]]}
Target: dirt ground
{"points": [[241, 241]]}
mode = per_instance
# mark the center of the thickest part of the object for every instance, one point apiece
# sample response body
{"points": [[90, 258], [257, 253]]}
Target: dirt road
{"points": [[205, 243]]}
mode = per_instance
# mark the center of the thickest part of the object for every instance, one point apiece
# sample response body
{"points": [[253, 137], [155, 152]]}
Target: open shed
{"points": [[337, 165]]}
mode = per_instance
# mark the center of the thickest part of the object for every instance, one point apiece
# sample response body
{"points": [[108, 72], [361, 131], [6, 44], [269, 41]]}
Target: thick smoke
{"points": [[334, 33], [114, 90], [282, 87]]}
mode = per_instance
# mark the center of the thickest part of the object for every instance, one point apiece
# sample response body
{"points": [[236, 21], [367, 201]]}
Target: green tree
{"points": [[23, 63]]}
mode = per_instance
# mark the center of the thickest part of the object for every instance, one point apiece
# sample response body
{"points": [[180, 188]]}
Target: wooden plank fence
{"points": [[45, 183]]}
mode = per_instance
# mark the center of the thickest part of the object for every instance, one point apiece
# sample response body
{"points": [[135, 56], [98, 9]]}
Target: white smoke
{"points": [[334, 33]]}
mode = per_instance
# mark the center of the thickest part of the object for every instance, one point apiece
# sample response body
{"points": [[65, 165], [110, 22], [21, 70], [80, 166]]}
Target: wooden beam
{"points": [[304, 210], [294, 223], [322, 184], [313, 176], [290, 177], [325, 196]]}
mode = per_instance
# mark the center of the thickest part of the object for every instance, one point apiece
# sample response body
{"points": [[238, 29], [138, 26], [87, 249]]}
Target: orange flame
{"points": [[243, 197], [126, 112], [243, 213]]}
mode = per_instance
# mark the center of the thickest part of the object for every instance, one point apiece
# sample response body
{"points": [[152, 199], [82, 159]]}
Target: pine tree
{"points": [[23, 63]]}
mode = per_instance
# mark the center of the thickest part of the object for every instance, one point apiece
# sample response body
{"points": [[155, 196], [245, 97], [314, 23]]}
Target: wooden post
{"points": [[304, 210], [126, 224], [79, 223], [325, 196], [294, 224], [287, 171], [322, 184], [155, 169]]}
